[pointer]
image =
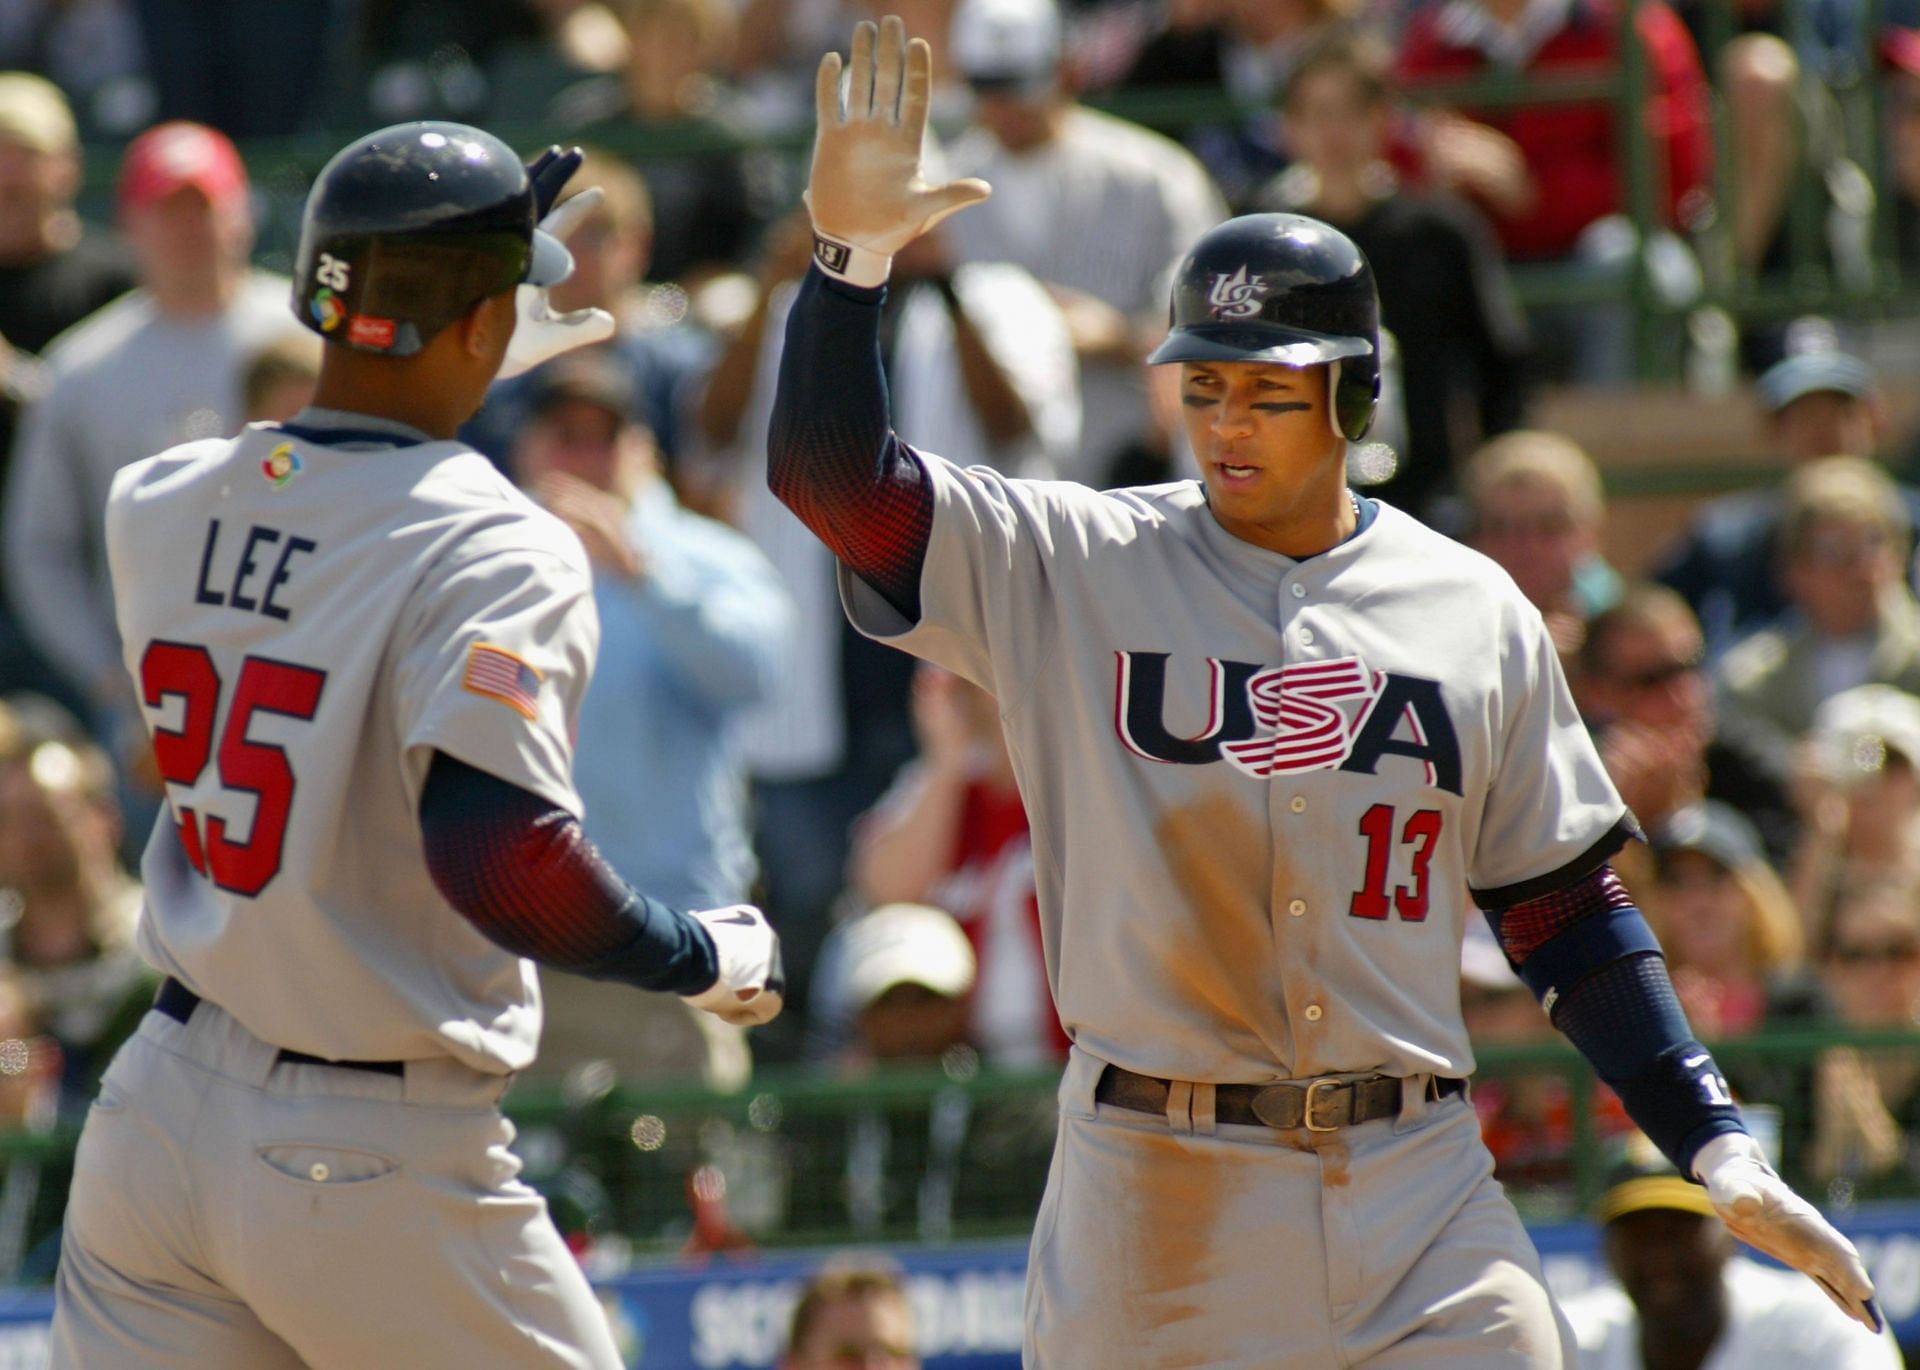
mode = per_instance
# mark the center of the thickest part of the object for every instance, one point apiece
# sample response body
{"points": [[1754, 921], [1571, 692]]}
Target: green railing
{"points": [[806, 1158]]}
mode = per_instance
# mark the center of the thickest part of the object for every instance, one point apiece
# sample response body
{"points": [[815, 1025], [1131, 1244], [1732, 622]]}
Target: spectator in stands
{"points": [[708, 209], [1852, 620], [694, 628], [1098, 209], [852, 1317], [1551, 173], [1819, 403], [1444, 292], [952, 832], [157, 367], [1868, 1104], [664, 355], [22, 381], [894, 982], [279, 378], [1732, 935], [1535, 505], [72, 907], [1251, 49], [1686, 1297], [1642, 688], [54, 269], [1858, 787], [981, 353]]}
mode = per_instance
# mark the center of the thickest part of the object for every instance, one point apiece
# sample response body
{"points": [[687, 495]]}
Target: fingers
{"points": [[860, 82], [917, 97], [826, 92], [570, 212], [951, 198], [889, 62]]}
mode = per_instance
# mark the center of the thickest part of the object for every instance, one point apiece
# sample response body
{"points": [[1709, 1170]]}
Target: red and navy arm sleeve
{"points": [[1588, 955], [524, 873], [832, 456]]}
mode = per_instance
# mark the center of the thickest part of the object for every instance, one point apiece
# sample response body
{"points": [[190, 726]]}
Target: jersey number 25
{"points": [[257, 768]]}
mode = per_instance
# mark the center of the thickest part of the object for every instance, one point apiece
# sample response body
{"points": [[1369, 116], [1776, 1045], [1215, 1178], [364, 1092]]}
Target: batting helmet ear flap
{"points": [[1353, 391]]}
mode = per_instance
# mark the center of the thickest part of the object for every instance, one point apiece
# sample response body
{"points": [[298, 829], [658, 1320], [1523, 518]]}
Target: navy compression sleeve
{"points": [[832, 456], [1587, 954], [521, 870]]}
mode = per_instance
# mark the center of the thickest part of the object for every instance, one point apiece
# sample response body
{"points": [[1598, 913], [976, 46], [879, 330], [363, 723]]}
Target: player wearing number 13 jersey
{"points": [[362, 655], [1278, 744]]}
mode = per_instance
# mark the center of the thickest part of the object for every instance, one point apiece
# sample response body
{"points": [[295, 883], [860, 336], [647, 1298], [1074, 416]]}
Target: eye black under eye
{"points": [[1281, 406]]}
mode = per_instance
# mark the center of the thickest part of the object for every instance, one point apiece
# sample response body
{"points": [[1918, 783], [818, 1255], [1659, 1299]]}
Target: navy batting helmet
{"points": [[1285, 289], [407, 229]]}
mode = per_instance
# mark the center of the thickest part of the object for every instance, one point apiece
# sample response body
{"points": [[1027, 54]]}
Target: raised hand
{"points": [[542, 334], [866, 193]]}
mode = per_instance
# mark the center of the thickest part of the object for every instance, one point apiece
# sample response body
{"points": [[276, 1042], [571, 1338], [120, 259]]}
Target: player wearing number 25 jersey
{"points": [[361, 654], [1278, 744]]}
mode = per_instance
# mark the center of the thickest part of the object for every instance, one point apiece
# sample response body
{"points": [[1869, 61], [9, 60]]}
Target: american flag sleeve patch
{"points": [[499, 674]]}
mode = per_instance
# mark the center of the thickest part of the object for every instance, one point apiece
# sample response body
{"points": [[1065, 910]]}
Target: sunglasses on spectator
{"points": [[1664, 672], [1883, 953]]}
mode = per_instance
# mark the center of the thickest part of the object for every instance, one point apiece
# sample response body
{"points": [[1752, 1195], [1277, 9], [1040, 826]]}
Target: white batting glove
{"points": [[1761, 1211], [541, 335], [866, 192], [752, 986]]}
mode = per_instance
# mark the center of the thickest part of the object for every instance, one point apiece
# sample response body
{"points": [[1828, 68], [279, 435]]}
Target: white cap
{"points": [[901, 944], [1017, 41], [1855, 729]]}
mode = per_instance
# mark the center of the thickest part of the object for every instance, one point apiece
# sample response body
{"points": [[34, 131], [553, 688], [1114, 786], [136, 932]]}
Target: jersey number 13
{"points": [[257, 768]]}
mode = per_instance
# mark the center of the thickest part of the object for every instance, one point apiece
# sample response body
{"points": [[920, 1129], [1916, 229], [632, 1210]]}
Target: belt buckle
{"points": [[1306, 1107]]}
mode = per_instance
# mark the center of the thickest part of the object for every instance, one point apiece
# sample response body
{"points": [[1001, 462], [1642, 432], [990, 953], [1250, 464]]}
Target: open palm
{"points": [[866, 193]]}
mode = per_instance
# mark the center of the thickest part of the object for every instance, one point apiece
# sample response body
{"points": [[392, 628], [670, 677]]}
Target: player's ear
{"points": [[487, 328]]}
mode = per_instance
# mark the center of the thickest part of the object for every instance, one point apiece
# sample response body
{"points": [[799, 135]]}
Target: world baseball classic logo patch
{"points": [[499, 674], [282, 465]]}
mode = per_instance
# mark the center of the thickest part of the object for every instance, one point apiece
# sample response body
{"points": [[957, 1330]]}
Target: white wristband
{"points": [[854, 265]]}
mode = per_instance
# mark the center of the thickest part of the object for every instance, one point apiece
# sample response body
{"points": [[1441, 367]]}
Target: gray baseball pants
{"points": [[1176, 1241], [233, 1212]]}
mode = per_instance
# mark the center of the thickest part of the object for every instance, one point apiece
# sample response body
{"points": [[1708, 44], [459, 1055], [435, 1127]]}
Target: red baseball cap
{"points": [[171, 155], [1900, 47]]}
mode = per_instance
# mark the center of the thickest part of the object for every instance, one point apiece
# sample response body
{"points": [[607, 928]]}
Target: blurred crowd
{"points": [[1754, 683]]}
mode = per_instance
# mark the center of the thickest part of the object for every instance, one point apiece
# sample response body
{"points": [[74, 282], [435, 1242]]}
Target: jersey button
{"points": [[1299, 591], [319, 1172], [1313, 1013], [1298, 803], [1297, 907], [1306, 636]]}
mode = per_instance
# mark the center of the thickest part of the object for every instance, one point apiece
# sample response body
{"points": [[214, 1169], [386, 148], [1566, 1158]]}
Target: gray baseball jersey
{"points": [[307, 622], [1264, 792]]}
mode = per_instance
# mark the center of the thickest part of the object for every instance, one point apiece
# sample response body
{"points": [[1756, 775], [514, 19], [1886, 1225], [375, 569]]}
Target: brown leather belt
{"points": [[1319, 1105]]}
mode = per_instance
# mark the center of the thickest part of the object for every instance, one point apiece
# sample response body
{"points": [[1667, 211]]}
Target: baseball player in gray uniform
{"points": [[1276, 741], [362, 654]]}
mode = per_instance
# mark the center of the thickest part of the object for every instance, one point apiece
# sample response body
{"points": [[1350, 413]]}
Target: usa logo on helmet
{"points": [[1238, 296]]}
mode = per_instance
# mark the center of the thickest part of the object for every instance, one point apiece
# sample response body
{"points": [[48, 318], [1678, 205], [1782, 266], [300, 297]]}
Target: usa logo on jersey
{"points": [[1281, 720]]}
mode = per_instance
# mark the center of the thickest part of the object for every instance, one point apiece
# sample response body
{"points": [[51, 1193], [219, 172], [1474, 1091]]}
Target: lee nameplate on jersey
{"points": [[499, 674], [831, 255]]}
